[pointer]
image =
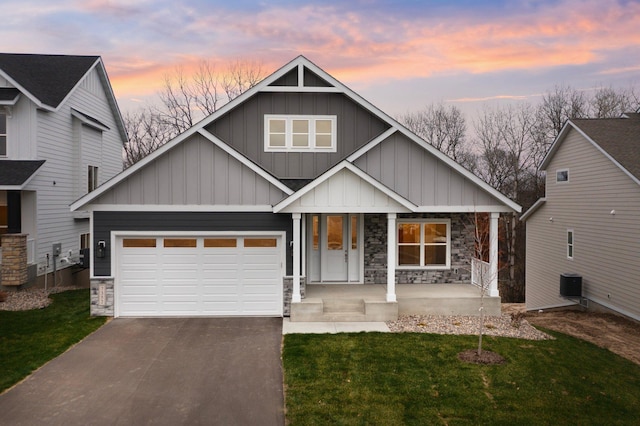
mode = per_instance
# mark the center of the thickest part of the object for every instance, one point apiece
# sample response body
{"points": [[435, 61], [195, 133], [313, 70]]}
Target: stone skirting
{"points": [[375, 251], [288, 292], [14, 260], [102, 297]]}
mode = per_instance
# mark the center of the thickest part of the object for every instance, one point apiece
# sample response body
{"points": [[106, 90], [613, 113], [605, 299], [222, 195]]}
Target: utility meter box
{"points": [[57, 249]]}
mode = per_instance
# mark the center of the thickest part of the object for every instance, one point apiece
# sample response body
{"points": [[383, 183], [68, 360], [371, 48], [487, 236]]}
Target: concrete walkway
{"points": [[289, 327]]}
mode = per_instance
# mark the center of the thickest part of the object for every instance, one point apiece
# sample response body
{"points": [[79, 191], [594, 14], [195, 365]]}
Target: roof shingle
{"points": [[47, 77], [619, 137]]}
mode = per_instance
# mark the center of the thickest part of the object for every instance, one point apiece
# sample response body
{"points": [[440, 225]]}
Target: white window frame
{"points": [[289, 119], [558, 175], [571, 246], [422, 222]]}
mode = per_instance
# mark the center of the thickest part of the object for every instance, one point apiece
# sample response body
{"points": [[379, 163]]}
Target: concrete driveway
{"points": [[215, 371]]}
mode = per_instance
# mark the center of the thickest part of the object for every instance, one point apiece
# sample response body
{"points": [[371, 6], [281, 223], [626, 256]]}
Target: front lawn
{"points": [[28, 339], [399, 379]]}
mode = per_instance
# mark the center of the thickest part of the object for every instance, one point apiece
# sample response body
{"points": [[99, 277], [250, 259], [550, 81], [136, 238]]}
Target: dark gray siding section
{"points": [[243, 129], [105, 222]]}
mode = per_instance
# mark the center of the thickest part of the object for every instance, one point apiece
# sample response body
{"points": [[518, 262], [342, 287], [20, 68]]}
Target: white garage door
{"points": [[198, 276]]}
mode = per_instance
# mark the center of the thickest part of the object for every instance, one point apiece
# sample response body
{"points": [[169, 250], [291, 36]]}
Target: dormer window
{"points": [[300, 133]]}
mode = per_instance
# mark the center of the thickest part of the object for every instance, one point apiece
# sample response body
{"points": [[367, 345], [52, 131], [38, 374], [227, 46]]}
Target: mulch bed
{"points": [[486, 357]]}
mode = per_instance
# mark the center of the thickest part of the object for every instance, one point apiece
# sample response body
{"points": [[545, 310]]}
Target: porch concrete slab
{"points": [[289, 327]]}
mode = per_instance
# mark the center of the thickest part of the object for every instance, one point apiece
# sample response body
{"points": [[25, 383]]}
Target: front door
{"points": [[334, 253]]}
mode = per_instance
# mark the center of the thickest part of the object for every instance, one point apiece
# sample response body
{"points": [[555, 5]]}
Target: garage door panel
{"points": [[213, 276]]}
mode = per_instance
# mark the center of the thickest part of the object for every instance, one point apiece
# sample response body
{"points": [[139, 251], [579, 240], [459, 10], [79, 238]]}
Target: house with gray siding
{"points": [[299, 198], [61, 135], [588, 224]]}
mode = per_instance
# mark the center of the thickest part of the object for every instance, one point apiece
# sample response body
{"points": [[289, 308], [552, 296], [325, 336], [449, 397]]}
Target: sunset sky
{"points": [[400, 55]]}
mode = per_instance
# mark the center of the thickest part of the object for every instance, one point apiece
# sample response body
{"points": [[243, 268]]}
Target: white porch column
{"points": [[391, 257], [296, 296], [493, 255]]}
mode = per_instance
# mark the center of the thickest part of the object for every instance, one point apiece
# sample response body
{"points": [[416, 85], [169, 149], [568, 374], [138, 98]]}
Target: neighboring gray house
{"points": [[61, 135], [296, 184], [588, 223]]}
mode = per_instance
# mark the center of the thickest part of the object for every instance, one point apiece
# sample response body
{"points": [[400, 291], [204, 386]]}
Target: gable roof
{"points": [[15, 174], [48, 78], [617, 138], [292, 77]]}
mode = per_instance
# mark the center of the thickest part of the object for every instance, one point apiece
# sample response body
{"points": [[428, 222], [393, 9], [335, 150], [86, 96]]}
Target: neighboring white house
{"points": [[61, 135], [588, 223]]}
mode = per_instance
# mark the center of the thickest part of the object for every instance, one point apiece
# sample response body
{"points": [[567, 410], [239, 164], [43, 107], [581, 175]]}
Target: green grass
{"points": [[417, 379], [28, 339]]}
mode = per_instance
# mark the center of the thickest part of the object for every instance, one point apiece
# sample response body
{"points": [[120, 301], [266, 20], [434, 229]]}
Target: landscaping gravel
{"points": [[505, 326], [32, 298]]}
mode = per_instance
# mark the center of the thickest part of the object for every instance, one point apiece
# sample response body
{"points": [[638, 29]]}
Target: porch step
{"points": [[343, 310], [343, 306]]}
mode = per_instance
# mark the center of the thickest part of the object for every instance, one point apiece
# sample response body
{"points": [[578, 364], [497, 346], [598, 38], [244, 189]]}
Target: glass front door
{"points": [[334, 254]]}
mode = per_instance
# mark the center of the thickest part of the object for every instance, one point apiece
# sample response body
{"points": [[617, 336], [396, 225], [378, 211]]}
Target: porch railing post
{"points": [[493, 255], [391, 257], [296, 296]]}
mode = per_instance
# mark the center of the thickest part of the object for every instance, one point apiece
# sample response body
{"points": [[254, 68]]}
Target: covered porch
{"points": [[409, 258], [348, 302]]}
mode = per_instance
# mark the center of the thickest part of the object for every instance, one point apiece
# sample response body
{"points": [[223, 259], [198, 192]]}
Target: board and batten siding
{"points": [[606, 246], [156, 222], [420, 177], [194, 172], [243, 129], [59, 180], [345, 192], [21, 130]]}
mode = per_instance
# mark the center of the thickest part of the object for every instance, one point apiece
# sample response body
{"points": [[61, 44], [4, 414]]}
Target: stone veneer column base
{"points": [[288, 292], [14, 260], [102, 297]]}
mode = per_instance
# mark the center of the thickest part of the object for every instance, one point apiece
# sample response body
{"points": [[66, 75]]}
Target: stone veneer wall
{"points": [[105, 307], [288, 292], [375, 251], [102, 288], [14, 260]]}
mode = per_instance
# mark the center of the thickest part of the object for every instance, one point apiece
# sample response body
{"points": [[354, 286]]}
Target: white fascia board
{"points": [[178, 208], [555, 145], [86, 199], [557, 142], [80, 203], [395, 124], [11, 187], [533, 209], [25, 92], [11, 102], [112, 101], [299, 89], [333, 171], [465, 209], [251, 92], [70, 92], [244, 160], [82, 116], [372, 144]]}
